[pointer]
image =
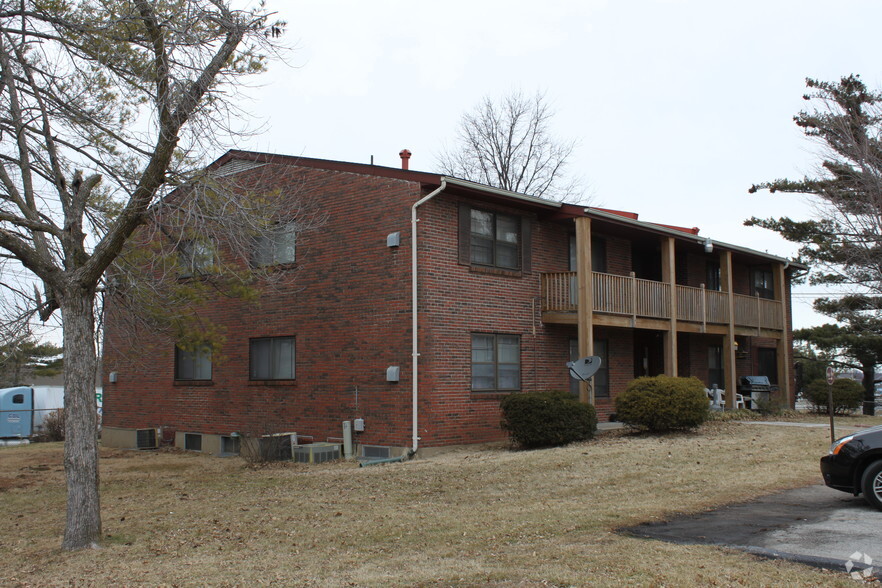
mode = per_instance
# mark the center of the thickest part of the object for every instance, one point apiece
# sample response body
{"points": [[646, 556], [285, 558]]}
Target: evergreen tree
{"points": [[848, 348], [843, 243], [24, 359]]}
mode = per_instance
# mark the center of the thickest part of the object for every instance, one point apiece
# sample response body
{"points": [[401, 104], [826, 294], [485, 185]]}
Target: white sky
{"points": [[678, 105]]}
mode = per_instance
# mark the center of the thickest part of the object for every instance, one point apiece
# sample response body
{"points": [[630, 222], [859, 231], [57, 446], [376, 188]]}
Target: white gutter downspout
{"points": [[414, 309]]}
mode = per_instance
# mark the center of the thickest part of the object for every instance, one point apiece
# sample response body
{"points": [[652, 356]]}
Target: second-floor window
{"points": [[276, 248], [763, 285], [495, 239], [598, 254], [197, 258], [713, 276]]}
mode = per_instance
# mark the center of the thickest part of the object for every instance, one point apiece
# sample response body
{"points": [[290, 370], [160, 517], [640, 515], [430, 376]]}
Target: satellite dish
{"points": [[585, 367]]}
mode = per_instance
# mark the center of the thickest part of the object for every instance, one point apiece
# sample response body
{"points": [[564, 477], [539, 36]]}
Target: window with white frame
{"points": [[193, 365], [277, 248], [272, 358], [496, 362]]}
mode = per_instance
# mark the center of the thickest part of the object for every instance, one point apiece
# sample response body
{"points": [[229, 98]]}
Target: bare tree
{"points": [[215, 236], [508, 144], [103, 106]]}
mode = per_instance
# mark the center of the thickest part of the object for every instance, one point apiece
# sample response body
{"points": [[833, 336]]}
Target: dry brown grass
{"points": [[490, 517]]}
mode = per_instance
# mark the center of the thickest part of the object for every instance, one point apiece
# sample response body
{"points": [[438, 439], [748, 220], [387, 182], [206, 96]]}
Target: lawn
{"points": [[467, 517]]}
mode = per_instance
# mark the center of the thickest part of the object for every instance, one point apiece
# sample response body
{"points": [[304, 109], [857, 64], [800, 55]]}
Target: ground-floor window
{"points": [[496, 362], [192, 442]]}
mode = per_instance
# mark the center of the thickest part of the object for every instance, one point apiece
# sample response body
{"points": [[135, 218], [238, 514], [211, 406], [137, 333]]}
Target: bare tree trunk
{"points": [[83, 529]]}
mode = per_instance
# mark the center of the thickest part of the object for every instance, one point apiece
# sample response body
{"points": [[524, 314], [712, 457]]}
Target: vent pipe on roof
{"points": [[405, 156]]}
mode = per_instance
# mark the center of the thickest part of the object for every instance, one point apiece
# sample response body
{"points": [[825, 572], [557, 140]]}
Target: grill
{"points": [[756, 388]]}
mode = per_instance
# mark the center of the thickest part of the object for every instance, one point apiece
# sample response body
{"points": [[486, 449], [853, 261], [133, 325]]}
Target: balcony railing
{"points": [[635, 297]]}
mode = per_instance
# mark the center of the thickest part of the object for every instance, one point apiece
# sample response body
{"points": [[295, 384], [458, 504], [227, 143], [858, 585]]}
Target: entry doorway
{"points": [[767, 364], [649, 354]]}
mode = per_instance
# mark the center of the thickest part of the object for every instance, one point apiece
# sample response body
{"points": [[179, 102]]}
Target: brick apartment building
{"points": [[508, 287]]}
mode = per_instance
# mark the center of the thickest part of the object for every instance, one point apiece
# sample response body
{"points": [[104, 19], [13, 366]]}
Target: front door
{"points": [[649, 358]]}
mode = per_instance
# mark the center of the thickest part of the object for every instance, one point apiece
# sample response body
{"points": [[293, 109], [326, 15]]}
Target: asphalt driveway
{"points": [[814, 525]]}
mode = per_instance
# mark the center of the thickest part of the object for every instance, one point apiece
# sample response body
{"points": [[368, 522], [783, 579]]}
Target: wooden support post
{"points": [[669, 277], [633, 300], [731, 378], [703, 309], [785, 389], [585, 312]]}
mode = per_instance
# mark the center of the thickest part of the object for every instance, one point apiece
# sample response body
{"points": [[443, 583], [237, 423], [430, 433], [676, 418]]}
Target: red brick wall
{"points": [[349, 311], [458, 300], [618, 254]]}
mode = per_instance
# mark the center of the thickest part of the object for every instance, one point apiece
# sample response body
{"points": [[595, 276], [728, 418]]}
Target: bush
{"points": [[53, 425], [740, 414], [547, 419], [847, 395], [261, 449], [663, 403]]}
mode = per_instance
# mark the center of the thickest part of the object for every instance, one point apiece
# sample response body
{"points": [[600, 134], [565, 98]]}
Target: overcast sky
{"points": [[678, 106]]}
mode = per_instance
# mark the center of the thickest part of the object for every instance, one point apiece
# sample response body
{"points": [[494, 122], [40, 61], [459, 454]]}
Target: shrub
{"points": [[663, 403], [847, 395], [261, 449], [740, 414], [547, 419], [53, 425], [767, 407]]}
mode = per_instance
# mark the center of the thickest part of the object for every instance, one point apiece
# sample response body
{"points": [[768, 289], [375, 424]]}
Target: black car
{"points": [[854, 465]]}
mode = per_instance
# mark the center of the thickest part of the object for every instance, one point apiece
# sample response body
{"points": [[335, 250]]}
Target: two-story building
{"points": [[424, 299]]}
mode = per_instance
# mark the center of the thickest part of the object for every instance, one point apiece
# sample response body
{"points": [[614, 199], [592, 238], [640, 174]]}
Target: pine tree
{"points": [[843, 243]]}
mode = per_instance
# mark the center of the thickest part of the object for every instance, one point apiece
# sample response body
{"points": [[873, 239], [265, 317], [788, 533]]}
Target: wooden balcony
{"points": [[629, 301]]}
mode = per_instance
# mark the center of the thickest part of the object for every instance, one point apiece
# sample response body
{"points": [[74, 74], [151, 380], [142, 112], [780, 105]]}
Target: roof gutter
{"points": [[500, 192], [415, 346]]}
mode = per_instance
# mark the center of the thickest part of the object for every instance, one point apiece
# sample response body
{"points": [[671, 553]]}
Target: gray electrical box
{"points": [[393, 373], [358, 425], [393, 239]]}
